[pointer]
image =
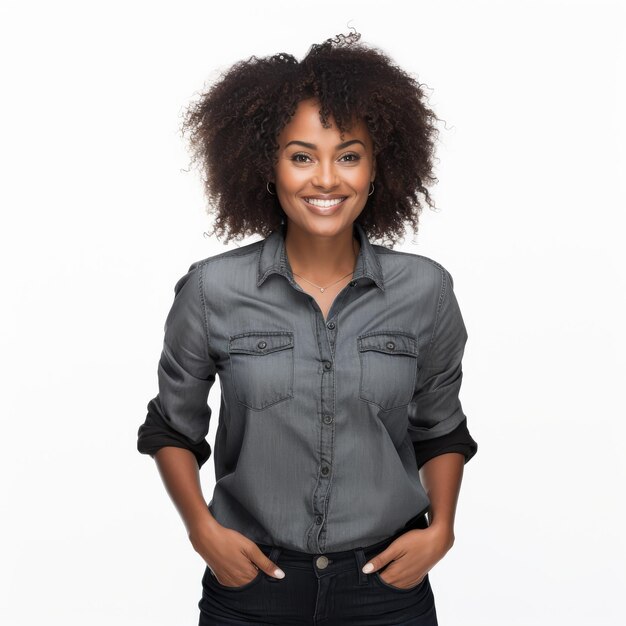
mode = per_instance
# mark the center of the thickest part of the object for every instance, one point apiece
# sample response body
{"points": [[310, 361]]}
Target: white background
{"points": [[100, 218]]}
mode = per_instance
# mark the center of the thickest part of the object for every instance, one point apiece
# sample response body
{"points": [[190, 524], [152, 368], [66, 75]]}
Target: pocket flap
{"points": [[260, 342], [389, 343]]}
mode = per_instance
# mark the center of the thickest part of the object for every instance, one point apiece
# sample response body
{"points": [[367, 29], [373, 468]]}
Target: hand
{"points": [[234, 559], [412, 556]]}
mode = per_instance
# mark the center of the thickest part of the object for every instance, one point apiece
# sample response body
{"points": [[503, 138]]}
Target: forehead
{"points": [[306, 123]]}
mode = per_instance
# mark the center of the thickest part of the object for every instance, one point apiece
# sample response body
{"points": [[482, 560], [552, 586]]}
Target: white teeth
{"points": [[324, 203]]}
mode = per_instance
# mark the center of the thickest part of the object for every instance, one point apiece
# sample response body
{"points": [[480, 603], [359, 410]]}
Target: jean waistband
{"points": [[338, 560]]}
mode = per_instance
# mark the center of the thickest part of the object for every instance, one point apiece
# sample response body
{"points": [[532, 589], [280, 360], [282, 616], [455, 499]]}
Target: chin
{"points": [[328, 226]]}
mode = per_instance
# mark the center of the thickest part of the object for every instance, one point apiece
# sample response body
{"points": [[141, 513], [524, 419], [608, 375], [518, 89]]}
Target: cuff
{"points": [[458, 440], [155, 433]]}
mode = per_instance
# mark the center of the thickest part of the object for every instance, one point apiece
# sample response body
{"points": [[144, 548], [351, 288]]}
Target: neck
{"points": [[321, 259]]}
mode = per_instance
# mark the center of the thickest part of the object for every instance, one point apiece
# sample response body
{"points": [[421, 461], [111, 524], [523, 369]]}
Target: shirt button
{"points": [[318, 520], [330, 325], [325, 470], [391, 345], [353, 283], [321, 562], [327, 365], [262, 345], [327, 419]]}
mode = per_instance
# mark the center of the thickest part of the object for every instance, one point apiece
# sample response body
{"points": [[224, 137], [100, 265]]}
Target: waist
{"points": [[344, 557]]}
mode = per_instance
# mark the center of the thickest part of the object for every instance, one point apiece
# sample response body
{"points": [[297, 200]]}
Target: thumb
{"points": [[263, 563], [375, 563]]}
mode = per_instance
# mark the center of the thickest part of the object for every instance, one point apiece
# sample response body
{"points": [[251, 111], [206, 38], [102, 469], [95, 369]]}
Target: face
{"points": [[322, 180]]}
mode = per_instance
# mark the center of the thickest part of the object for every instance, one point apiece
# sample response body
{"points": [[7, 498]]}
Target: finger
{"points": [[380, 560], [265, 564]]}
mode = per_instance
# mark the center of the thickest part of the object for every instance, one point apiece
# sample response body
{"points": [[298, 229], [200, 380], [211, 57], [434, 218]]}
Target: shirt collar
{"points": [[273, 258]]}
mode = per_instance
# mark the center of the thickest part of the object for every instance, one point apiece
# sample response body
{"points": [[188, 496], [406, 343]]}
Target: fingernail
{"points": [[368, 568], [279, 573]]}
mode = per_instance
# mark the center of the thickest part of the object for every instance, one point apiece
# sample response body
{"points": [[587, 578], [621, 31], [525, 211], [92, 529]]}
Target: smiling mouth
{"points": [[325, 204]]}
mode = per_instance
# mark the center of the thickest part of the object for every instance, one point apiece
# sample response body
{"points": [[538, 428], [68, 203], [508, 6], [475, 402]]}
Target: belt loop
{"points": [[359, 554], [273, 557]]}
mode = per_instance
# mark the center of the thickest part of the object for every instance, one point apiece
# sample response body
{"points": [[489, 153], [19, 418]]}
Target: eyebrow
{"points": [[312, 146]]}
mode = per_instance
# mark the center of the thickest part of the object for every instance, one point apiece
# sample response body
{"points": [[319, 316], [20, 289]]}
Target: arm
{"points": [[441, 440], [180, 474], [175, 429], [177, 422], [441, 477]]}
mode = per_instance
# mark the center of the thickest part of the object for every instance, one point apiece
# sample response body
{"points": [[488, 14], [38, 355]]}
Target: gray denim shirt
{"points": [[318, 418]]}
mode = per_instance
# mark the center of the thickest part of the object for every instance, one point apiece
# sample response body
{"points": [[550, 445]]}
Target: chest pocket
{"points": [[388, 368], [262, 366]]}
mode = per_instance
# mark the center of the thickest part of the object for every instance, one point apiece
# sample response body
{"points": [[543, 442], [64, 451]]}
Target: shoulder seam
{"points": [[383, 250], [442, 296], [204, 308], [232, 253]]}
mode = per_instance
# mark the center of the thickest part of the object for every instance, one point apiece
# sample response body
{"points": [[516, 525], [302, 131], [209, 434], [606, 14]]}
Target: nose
{"points": [[325, 176]]}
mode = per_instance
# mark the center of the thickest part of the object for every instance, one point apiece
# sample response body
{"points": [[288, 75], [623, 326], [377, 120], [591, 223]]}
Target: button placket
{"points": [[326, 330]]}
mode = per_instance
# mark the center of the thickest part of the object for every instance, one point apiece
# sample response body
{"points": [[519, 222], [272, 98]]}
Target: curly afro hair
{"points": [[233, 129]]}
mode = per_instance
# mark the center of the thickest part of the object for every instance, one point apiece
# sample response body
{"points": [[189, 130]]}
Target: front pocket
{"points": [[262, 366], [247, 585], [388, 368], [399, 589]]}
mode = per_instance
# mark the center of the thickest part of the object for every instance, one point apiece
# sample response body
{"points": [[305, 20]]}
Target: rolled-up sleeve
{"points": [[437, 423], [179, 415]]}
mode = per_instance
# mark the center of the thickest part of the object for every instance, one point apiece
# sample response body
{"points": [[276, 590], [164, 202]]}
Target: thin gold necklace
{"points": [[323, 289]]}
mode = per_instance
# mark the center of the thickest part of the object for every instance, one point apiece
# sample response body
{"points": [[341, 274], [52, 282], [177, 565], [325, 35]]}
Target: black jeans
{"points": [[331, 592]]}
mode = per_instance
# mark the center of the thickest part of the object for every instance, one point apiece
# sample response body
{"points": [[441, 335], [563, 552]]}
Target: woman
{"points": [[339, 360]]}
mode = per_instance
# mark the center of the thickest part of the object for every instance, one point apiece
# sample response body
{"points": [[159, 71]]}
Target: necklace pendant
{"points": [[322, 289]]}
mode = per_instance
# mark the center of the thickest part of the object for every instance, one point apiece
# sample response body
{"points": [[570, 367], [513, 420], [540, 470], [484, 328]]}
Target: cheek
{"points": [[289, 178], [359, 179]]}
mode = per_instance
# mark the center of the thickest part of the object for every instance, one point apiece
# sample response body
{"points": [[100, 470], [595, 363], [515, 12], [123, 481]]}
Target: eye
{"points": [[351, 157], [299, 157]]}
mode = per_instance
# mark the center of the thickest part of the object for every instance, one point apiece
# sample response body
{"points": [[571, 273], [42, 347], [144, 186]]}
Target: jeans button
{"points": [[322, 562]]}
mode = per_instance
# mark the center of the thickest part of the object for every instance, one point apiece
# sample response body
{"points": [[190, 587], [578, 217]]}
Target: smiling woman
{"points": [[317, 176], [342, 439], [235, 127]]}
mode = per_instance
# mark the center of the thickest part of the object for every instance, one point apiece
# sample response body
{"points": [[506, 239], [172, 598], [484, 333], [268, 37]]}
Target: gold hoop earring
{"points": [[371, 192], [269, 190]]}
